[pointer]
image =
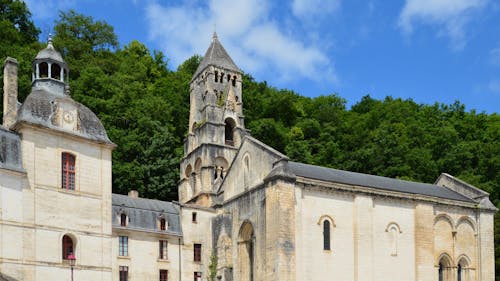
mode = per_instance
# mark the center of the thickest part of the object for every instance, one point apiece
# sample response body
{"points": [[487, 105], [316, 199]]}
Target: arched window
{"points": [[163, 224], [234, 81], [55, 71], [394, 231], [216, 76], [229, 139], [221, 77], [445, 268], [67, 247], [326, 235], [68, 170], [440, 272], [44, 70], [123, 219]]}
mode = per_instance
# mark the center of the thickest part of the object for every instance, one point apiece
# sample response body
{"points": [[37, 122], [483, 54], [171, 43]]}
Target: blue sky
{"points": [[427, 50]]}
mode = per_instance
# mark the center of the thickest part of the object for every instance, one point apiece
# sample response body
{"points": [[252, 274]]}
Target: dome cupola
{"points": [[50, 71]]}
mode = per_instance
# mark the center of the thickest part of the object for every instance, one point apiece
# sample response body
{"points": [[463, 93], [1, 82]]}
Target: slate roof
{"points": [[10, 150], [377, 182], [40, 108], [144, 214], [216, 55]]}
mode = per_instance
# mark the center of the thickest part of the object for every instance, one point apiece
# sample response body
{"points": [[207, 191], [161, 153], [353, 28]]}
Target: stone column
{"points": [[363, 238], [424, 243]]}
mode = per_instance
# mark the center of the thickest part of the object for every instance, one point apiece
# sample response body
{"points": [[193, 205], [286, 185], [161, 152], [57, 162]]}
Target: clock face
{"points": [[68, 117]]}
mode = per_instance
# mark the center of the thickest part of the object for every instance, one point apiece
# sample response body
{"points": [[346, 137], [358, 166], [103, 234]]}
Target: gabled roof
{"points": [[144, 213], [378, 182], [216, 55]]}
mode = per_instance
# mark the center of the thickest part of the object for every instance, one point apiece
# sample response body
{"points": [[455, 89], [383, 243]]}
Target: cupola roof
{"points": [[50, 53], [216, 55]]}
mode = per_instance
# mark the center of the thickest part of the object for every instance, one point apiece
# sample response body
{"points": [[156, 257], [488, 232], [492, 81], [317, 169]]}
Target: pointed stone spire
{"points": [[216, 55]]}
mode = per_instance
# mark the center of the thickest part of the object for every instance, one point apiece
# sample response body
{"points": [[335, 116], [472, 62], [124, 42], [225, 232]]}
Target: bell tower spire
{"points": [[216, 123]]}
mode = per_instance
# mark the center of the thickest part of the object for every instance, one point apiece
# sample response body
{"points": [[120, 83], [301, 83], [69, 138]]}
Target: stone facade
{"points": [[261, 215]]}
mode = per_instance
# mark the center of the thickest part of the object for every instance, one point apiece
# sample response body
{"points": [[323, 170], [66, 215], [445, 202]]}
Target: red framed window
{"points": [[163, 246], [163, 224], [163, 275], [197, 252], [68, 171], [123, 273], [123, 219], [197, 276], [67, 247], [123, 246]]}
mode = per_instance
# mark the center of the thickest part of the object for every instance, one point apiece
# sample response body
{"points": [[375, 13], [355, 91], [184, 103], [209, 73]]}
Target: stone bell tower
{"points": [[216, 125]]}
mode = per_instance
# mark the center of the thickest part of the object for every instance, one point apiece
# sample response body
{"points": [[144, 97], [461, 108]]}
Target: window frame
{"points": [[197, 276], [163, 249], [68, 171], [163, 275], [123, 246], [197, 252], [327, 243], [67, 242], [123, 273]]}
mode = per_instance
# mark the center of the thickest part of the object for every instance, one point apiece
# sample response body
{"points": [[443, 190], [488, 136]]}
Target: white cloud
{"points": [[494, 86], [48, 9], [450, 16], [310, 9], [495, 56], [254, 40]]}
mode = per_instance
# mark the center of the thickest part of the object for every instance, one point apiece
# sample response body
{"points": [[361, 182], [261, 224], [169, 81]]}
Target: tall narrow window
{"points": [[163, 224], [68, 171], [67, 247], [440, 272], [197, 252], [123, 246], [197, 276], [326, 235], [44, 70], [123, 273], [163, 275], [123, 219], [163, 245], [459, 272], [194, 217]]}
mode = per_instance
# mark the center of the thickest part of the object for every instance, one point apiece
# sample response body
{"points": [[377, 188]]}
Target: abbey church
{"points": [[245, 212]]}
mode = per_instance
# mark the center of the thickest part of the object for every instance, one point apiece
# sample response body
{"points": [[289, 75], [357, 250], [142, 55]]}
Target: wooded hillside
{"points": [[144, 106]]}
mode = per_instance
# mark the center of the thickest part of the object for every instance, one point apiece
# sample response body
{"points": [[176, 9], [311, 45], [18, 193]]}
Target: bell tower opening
{"points": [[229, 131]]}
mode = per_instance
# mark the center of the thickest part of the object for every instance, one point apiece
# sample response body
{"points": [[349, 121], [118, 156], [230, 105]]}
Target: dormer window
{"points": [[163, 224], [68, 170], [123, 219]]}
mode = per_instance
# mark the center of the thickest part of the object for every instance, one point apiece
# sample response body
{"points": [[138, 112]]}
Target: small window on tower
{"points": [[216, 76], [193, 217], [68, 170]]}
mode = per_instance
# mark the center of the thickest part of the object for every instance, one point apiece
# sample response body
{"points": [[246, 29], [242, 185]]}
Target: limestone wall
{"points": [[143, 255]]}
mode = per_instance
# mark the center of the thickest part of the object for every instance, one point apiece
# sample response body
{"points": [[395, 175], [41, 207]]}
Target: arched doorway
{"points": [[246, 252]]}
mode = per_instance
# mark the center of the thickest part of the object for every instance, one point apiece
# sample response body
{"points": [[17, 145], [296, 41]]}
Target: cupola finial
{"points": [[49, 41]]}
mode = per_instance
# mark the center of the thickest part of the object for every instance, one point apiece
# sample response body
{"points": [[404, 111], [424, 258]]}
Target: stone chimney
{"points": [[9, 92], [133, 194]]}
